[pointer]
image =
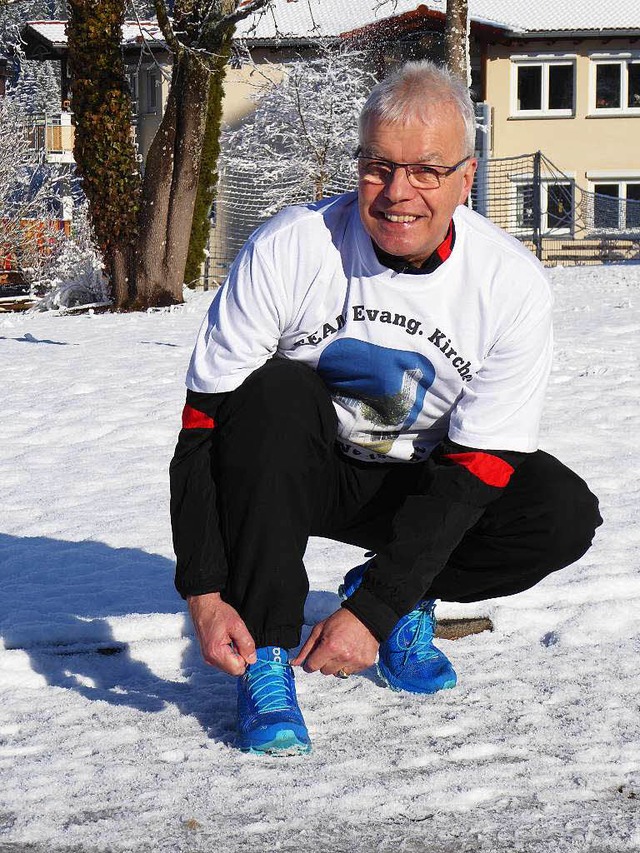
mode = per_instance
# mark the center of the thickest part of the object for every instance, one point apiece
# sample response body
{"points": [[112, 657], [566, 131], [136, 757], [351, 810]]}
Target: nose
{"points": [[398, 187]]}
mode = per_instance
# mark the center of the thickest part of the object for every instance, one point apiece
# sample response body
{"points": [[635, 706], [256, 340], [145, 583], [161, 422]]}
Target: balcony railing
{"points": [[52, 136]]}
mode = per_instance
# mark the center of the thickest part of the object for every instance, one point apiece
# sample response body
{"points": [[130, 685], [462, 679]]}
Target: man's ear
{"points": [[467, 179]]}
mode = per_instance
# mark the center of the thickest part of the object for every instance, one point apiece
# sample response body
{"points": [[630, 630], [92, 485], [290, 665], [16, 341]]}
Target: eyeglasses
{"points": [[422, 176]]}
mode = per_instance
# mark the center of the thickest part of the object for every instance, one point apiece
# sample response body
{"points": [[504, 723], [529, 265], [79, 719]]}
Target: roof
{"points": [[54, 32], [296, 19], [568, 16], [323, 18], [304, 20]]}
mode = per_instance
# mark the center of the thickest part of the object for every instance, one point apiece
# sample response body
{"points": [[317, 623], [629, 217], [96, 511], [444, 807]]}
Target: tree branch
{"points": [[173, 43], [146, 49], [211, 29], [243, 12]]}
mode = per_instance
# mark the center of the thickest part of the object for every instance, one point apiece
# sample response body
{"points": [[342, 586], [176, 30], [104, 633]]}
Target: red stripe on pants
{"points": [[490, 469]]}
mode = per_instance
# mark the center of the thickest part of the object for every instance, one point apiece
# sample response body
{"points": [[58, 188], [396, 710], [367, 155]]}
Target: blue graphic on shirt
{"points": [[383, 388]]}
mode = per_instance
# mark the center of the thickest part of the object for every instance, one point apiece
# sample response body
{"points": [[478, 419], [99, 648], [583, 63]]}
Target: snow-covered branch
{"points": [[166, 28], [245, 11], [303, 133], [33, 195]]}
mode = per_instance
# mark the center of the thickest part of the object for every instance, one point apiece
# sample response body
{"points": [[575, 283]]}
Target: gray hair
{"points": [[409, 92]]}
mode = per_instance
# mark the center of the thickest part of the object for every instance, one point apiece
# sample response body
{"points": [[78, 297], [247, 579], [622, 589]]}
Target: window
{"points": [[525, 214], [153, 82], [132, 78], [559, 206], [543, 87], [616, 85], [554, 207], [633, 206], [616, 206]]}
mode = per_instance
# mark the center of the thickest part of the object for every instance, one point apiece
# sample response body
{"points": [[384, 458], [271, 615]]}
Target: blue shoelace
{"points": [[421, 636], [271, 686]]}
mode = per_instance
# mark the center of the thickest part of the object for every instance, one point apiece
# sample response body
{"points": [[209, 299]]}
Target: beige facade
{"points": [[585, 140], [149, 83], [577, 101], [243, 83]]}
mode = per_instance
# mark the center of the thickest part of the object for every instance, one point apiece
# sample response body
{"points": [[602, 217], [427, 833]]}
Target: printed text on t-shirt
{"points": [[360, 313], [443, 343]]}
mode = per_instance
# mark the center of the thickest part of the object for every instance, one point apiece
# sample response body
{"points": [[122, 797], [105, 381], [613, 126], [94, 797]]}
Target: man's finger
{"points": [[244, 644], [332, 667], [230, 661], [309, 646]]}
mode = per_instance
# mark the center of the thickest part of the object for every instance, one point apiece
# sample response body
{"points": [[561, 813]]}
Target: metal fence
{"points": [[557, 219], [527, 196], [240, 208]]}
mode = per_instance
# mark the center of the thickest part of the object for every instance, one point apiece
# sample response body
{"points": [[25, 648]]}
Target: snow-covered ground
{"points": [[113, 735]]}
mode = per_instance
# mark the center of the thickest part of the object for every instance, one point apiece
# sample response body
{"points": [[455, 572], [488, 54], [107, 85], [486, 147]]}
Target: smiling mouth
{"points": [[392, 217]]}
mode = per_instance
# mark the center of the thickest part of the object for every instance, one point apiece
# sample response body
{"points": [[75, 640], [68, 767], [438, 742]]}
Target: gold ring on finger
{"points": [[342, 674]]}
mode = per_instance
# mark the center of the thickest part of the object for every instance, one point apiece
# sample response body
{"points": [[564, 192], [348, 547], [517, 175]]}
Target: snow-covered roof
{"points": [[331, 18], [54, 32], [325, 18], [555, 16], [301, 20]]}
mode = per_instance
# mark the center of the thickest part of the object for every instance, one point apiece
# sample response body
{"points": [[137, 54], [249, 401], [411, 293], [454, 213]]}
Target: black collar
{"points": [[435, 260]]}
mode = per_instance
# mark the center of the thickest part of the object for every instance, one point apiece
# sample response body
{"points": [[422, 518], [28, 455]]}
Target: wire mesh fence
{"points": [[559, 221], [241, 206]]}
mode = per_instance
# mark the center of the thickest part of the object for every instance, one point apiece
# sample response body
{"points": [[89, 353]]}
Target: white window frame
{"points": [[153, 94], [623, 60], [547, 231], [134, 90], [622, 180], [544, 61], [545, 182]]}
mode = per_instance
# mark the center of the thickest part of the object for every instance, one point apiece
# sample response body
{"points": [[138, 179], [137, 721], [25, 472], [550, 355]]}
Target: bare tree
{"points": [[29, 238], [144, 223], [33, 245], [456, 39], [303, 133]]}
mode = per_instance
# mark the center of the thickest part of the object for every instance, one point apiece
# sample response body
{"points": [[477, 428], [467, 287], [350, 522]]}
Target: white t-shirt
{"points": [[463, 351]]}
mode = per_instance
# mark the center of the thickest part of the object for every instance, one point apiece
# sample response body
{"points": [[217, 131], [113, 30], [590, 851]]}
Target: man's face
{"points": [[401, 219]]}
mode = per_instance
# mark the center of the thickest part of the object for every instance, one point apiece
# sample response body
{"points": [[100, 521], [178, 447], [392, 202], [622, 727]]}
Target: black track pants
{"points": [[281, 479]]}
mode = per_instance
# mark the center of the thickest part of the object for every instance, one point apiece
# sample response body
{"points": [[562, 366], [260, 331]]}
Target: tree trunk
{"points": [[208, 181], [103, 150], [144, 225], [456, 39], [170, 186]]}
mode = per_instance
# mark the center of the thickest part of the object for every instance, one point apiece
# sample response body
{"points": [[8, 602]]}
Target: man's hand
{"points": [[339, 642], [218, 626]]}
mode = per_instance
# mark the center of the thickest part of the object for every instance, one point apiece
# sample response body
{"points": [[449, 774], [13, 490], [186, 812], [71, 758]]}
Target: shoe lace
{"points": [[271, 686], [418, 634]]}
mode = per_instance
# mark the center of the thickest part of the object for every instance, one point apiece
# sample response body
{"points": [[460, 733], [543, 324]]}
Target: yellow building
{"points": [[557, 88], [559, 82], [148, 64]]}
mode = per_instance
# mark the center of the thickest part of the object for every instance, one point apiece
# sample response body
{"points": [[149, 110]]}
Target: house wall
{"points": [[229, 228], [579, 144], [152, 90], [243, 82]]}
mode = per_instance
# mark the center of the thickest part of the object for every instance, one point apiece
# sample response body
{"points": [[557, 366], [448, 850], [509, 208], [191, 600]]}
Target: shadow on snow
{"points": [[57, 603]]}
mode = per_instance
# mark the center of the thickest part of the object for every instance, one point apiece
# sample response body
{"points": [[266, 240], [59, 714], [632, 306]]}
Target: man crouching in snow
{"points": [[372, 371]]}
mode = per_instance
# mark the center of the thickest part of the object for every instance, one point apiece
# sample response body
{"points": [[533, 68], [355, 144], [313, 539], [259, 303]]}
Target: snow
{"points": [[317, 19], [115, 737], [326, 18], [55, 32]]}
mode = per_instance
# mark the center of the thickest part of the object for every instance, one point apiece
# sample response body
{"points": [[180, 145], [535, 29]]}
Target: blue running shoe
{"points": [[269, 719], [407, 659], [352, 580]]}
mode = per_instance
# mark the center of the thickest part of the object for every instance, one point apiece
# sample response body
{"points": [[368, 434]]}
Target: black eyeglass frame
{"points": [[448, 170]]}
